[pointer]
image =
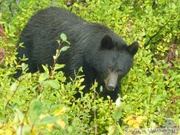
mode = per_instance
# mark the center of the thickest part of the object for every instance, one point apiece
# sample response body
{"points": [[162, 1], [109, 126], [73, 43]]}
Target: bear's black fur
{"points": [[104, 56]]}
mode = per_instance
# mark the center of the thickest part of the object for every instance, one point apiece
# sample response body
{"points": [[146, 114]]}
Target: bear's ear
{"points": [[106, 42], [133, 48]]}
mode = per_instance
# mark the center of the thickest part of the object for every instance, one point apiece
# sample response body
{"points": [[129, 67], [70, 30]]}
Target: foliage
{"points": [[43, 103]]}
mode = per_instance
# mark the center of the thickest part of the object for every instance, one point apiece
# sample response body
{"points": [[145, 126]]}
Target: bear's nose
{"points": [[111, 81], [111, 86]]}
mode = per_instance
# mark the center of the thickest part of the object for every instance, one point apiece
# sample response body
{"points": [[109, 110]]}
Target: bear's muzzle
{"points": [[111, 81]]}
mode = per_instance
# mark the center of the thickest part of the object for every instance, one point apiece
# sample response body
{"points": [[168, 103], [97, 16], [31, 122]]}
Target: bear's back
{"points": [[56, 15]]}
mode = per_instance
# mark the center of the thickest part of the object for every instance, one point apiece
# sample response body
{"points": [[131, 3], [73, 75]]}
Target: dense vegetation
{"points": [[43, 103]]}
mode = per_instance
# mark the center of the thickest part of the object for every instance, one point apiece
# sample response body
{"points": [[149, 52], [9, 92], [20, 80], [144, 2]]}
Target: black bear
{"points": [[104, 56]]}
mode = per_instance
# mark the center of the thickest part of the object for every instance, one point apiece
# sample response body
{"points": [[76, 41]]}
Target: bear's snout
{"points": [[111, 81], [111, 86]]}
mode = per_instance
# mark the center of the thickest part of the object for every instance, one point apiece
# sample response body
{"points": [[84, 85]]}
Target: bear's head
{"points": [[115, 59]]}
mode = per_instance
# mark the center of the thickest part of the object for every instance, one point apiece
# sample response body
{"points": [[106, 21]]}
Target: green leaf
{"points": [[35, 110], [59, 66], [53, 83], [24, 66], [43, 76], [157, 99], [64, 48], [63, 37], [117, 114], [118, 111], [14, 86], [19, 114], [48, 119]]}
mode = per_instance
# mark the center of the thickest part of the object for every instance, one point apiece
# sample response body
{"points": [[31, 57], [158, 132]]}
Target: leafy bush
{"points": [[43, 103]]}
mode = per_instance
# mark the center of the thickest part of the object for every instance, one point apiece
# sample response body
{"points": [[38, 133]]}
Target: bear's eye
{"points": [[110, 68], [119, 71]]}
